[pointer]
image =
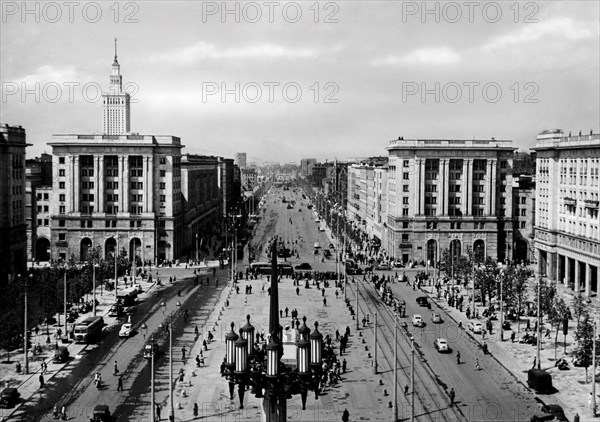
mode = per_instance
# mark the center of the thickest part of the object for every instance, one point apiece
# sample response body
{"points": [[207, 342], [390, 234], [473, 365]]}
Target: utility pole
{"points": [[375, 345], [25, 350], [395, 414], [593, 409], [538, 323], [357, 326], [412, 379]]}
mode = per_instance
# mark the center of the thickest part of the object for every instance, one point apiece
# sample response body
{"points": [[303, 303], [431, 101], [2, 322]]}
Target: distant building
{"points": [[319, 172], [201, 201], [229, 184], [38, 178], [240, 160], [567, 228], [523, 192], [249, 179], [306, 166], [444, 192], [13, 226], [116, 117]]}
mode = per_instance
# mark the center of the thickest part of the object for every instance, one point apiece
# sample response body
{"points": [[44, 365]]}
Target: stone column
{"points": [[488, 188], [577, 282], [125, 182], [121, 181], [150, 182], [421, 197], [559, 270], [145, 183], [99, 169], [446, 187], [551, 265], [567, 278], [588, 280], [493, 192], [466, 182], [75, 191]]}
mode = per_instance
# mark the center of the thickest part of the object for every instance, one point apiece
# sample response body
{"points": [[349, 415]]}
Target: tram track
{"points": [[434, 404]]}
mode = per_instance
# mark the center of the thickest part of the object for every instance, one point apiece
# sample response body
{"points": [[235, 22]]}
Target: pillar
{"points": [[577, 283], [99, 169], [446, 187], [421, 197], [560, 277], [122, 192], [488, 189], [75, 179], [551, 263], [493, 188], [567, 278], [588, 280], [125, 182], [150, 182], [467, 186]]}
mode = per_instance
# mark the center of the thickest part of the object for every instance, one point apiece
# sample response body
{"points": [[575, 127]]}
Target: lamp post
{"points": [[412, 379], [65, 295], [169, 325], [395, 414], [94, 265], [593, 409], [25, 337], [262, 370], [501, 305], [144, 332], [375, 345]]}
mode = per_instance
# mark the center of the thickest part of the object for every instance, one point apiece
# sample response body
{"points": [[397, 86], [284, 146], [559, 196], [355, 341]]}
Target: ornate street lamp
{"points": [[262, 370]]}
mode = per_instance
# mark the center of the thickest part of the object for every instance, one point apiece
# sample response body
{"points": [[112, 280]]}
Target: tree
{"points": [[582, 355], [515, 288], [486, 279], [557, 314]]}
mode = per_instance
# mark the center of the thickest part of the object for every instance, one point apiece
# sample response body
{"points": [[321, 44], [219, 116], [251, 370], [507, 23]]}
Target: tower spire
{"points": [[116, 62]]}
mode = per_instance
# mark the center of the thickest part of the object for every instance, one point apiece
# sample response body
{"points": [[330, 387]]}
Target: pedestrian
{"points": [[576, 417], [534, 362], [120, 383], [483, 334], [477, 367], [286, 311], [63, 413], [158, 407], [324, 301], [344, 364], [44, 367], [323, 292], [297, 291], [116, 369], [55, 412], [452, 395], [406, 390], [512, 337], [41, 381], [195, 410], [281, 313], [183, 350], [458, 357], [345, 416], [204, 344]]}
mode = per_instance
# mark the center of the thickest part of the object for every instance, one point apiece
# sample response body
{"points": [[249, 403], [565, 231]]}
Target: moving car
{"points": [[126, 330], [116, 311], [61, 355], [475, 327], [436, 318], [148, 350], [9, 397], [422, 301], [326, 253], [101, 413], [417, 320], [317, 245], [540, 381], [550, 412], [441, 345], [383, 267], [303, 266]]}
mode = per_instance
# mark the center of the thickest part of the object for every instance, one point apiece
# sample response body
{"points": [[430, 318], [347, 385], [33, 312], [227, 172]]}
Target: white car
{"points": [[475, 327], [441, 345], [126, 330], [317, 245], [417, 320]]}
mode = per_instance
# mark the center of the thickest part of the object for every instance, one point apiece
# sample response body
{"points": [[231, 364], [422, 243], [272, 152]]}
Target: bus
{"points": [[127, 297], [89, 330], [263, 268]]}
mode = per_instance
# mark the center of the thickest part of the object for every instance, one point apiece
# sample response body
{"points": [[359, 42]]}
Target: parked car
{"points": [[116, 311], [550, 412], [303, 266], [475, 327], [383, 267], [126, 330], [422, 301], [417, 320], [436, 318], [441, 345], [101, 413], [326, 253], [317, 245], [61, 355], [539, 380], [9, 397]]}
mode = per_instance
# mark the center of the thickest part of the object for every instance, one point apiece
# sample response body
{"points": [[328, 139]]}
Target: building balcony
{"points": [[588, 203], [569, 201]]}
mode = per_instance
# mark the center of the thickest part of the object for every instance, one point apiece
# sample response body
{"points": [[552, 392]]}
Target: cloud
{"points": [[49, 73], [435, 56], [203, 51], [559, 27]]}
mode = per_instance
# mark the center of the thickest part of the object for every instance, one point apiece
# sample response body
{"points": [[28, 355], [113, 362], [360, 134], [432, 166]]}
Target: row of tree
{"points": [[489, 278]]}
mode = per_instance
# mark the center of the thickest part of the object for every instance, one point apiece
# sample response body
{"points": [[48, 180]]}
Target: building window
{"points": [[39, 209], [161, 185], [163, 160], [523, 224], [61, 172], [62, 237], [61, 209], [162, 198], [61, 185], [405, 175], [405, 163], [163, 173], [523, 212], [405, 211], [62, 223], [405, 238], [61, 160], [405, 224], [39, 222], [405, 200], [46, 208]]}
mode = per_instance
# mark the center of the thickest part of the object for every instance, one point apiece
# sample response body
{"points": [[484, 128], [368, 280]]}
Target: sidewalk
{"points": [[518, 358], [28, 384]]}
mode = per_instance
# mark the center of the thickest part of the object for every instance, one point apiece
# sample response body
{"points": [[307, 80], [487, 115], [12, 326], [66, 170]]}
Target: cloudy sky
{"points": [[289, 80]]}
